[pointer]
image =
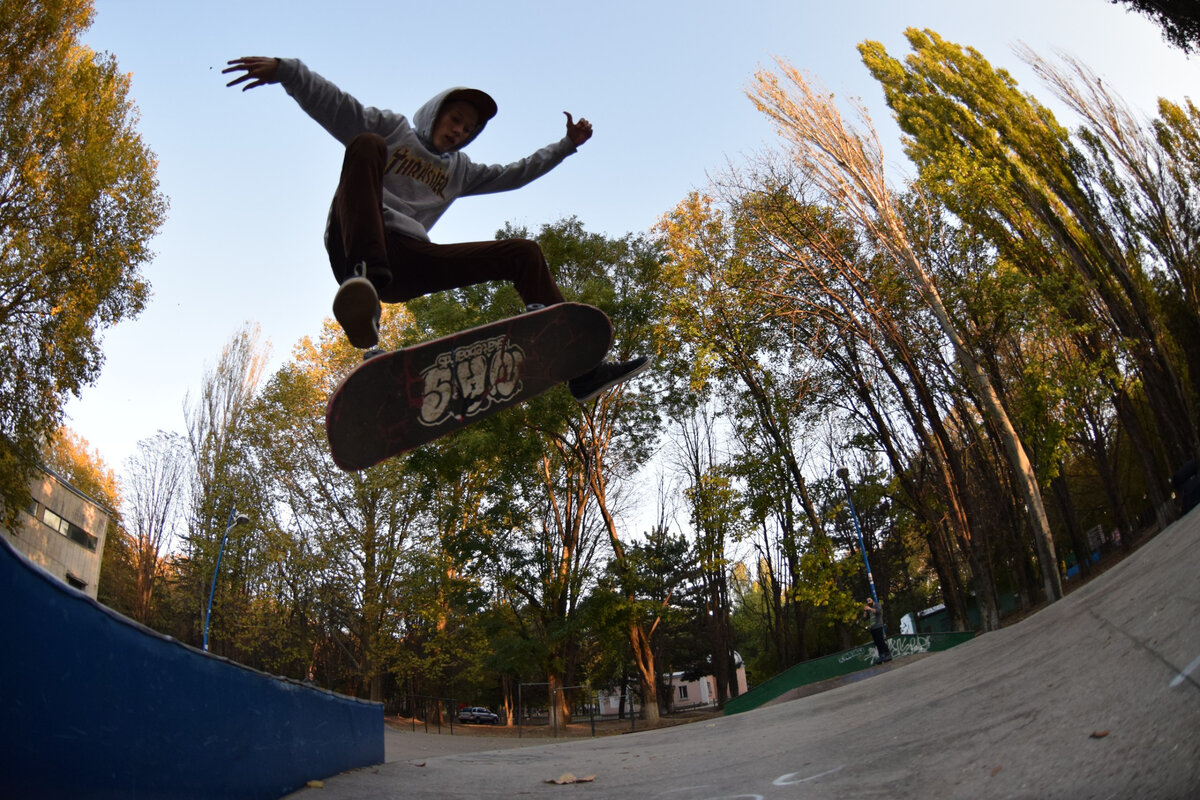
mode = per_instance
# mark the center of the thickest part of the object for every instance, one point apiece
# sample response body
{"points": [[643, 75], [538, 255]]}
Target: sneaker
{"points": [[605, 376], [356, 308]]}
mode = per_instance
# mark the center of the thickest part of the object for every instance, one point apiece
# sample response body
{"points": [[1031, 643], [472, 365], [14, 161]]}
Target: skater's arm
{"points": [[578, 132], [502, 178], [260, 71], [335, 110]]}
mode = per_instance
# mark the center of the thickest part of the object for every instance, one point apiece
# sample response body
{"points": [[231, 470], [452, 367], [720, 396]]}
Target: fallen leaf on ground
{"points": [[1099, 734], [567, 777], [315, 784]]}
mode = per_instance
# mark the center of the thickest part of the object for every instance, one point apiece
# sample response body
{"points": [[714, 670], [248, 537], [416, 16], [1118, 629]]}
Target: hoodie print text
{"points": [[404, 162]]}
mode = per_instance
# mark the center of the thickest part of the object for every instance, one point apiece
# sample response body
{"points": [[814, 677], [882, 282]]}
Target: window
{"points": [[53, 520], [76, 583], [70, 530], [683, 693]]}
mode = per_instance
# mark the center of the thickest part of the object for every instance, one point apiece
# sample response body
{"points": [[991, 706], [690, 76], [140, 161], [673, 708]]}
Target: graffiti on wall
{"points": [[900, 646]]}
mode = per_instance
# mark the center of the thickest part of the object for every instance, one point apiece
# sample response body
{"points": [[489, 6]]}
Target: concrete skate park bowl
{"points": [[96, 705]]}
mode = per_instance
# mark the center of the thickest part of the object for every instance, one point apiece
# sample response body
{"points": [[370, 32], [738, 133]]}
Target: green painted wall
{"points": [[838, 664]]}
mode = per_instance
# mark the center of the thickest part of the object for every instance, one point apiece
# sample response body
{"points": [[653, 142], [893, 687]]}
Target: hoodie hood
{"points": [[427, 114]]}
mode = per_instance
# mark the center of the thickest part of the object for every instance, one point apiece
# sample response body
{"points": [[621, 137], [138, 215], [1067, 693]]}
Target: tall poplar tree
{"points": [[1001, 162], [847, 165]]}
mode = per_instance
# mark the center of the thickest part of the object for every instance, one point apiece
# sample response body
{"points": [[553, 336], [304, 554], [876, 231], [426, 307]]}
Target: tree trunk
{"points": [[1151, 466], [643, 657], [1079, 542], [1022, 565], [1018, 459], [560, 708], [984, 583], [508, 703], [940, 554], [643, 652], [718, 634], [944, 565]]}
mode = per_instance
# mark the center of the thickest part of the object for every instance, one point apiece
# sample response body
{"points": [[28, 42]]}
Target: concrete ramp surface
{"points": [[1095, 696]]}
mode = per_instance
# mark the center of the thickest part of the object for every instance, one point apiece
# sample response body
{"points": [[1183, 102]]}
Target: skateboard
{"points": [[400, 400]]}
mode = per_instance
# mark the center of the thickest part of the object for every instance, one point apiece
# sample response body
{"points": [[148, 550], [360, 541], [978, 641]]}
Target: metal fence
{"points": [[535, 712]]}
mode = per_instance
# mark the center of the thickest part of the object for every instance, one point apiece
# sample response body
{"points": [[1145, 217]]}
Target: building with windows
{"points": [[685, 693], [62, 531], [702, 691]]}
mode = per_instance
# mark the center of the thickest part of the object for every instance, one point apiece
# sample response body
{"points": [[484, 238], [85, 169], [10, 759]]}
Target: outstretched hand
{"points": [[260, 71], [578, 132]]}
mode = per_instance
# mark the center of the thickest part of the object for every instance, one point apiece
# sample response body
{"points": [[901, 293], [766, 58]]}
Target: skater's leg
{"points": [[355, 240], [421, 268], [881, 645], [355, 233]]}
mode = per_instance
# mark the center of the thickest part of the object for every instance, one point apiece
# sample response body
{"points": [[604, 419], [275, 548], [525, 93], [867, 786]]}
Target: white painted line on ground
{"points": [[1188, 670], [681, 789], [791, 780]]}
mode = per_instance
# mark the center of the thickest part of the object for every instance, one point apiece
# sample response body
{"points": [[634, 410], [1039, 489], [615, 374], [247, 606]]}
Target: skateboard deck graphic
{"points": [[405, 398]]}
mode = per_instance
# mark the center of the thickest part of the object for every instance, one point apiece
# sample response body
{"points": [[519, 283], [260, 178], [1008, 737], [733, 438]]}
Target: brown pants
{"points": [[418, 267]]}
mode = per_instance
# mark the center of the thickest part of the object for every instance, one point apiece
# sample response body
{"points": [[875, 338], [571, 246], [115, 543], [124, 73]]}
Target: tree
{"points": [[725, 335], [79, 203], [1147, 173], [332, 544], [221, 473], [1001, 163], [716, 516], [587, 454], [613, 437], [1179, 20], [549, 559], [156, 482], [848, 166], [648, 582]]}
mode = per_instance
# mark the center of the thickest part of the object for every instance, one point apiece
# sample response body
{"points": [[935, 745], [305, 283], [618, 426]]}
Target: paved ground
{"points": [[403, 745], [1097, 696]]}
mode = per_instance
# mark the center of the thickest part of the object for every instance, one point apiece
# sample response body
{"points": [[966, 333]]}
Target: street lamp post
{"points": [[844, 474], [235, 519]]}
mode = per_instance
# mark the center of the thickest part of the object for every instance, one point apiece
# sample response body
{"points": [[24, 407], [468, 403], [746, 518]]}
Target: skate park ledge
{"points": [[97, 705]]}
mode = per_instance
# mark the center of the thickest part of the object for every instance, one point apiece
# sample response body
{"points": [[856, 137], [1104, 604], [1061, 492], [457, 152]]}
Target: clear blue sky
{"points": [[249, 176]]}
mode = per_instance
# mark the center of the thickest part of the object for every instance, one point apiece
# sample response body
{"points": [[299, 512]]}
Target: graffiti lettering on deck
{"points": [[468, 380]]}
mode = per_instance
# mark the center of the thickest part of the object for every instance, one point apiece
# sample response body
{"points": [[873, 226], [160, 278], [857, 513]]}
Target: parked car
{"points": [[477, 714]]}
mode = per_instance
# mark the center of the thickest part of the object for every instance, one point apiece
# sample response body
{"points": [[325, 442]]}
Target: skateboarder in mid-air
{"points": [[397, 179]]}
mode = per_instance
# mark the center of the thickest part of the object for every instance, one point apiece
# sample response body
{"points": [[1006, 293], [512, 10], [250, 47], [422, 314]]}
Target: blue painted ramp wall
{"points": [[94, 705]]}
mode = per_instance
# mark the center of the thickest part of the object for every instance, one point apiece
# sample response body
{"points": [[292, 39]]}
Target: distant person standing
{"points": [[874, 619]]}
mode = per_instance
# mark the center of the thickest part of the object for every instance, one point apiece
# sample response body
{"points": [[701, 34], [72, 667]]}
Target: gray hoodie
{"points": [[419, 183]]}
